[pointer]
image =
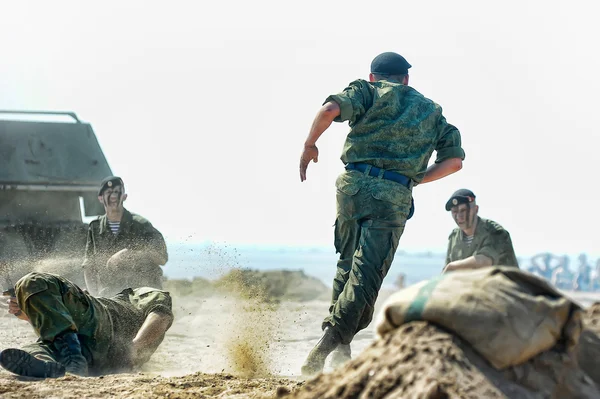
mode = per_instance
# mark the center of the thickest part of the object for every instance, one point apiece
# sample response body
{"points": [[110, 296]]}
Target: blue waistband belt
{"points": [[375, 171]]}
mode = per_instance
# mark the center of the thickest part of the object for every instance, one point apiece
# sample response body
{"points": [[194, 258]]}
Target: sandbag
{"points": [[421, 360], [588, 350], [505, 314]]}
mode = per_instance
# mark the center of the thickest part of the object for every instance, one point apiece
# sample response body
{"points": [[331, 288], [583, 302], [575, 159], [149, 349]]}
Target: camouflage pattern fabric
{"points": [[395, 127], [105, 326], [135, 233], [371, 214], [490, 239]]}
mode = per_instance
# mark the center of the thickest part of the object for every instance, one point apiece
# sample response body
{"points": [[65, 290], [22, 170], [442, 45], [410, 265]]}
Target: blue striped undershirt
{"points": [[468, 239], [114, 226]]}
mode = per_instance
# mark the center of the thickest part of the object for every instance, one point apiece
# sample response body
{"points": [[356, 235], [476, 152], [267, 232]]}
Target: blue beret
{"points": [[389, 64], [108, 182], [462, 196]]}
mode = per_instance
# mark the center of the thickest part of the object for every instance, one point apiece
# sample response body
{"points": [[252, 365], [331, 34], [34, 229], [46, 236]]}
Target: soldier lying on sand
{"points": [[85, 335]]}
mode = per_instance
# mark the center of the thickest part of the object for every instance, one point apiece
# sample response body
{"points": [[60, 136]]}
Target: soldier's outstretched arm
{"points": [[150, 335], [472, 262], [322, 121]]}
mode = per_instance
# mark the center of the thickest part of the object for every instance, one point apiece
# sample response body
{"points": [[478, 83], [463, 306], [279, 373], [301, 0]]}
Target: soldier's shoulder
{"points": [[418, 97], [137, 218], [453, 233], [96, 222], [493, 227], [359, 82], [361, 85]]}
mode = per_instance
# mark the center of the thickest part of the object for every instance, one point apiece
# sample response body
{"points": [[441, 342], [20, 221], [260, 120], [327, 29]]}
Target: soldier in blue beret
{"points": [[394, 130], [476, 242], [123, 249]]}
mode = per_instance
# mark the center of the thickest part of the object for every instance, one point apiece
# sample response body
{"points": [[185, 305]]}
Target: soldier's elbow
{"points": [[331, 109], [456, 164]]}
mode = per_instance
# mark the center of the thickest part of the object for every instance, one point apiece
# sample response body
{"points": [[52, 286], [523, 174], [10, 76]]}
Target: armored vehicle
{"points": [[49, 176]]}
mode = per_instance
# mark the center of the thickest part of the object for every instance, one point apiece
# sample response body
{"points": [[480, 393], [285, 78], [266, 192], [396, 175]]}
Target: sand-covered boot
{"points": [[25, 364], [70, 352], [316, 358], [341, 355]]}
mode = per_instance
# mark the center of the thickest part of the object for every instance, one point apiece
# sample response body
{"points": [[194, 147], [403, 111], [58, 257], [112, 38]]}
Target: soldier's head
{"points": [[463, 208], [112, 193], [389, 66]]}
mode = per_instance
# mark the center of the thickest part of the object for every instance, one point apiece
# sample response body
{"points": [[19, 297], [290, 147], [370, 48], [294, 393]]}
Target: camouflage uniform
{"points": [[135, 233], [105, 326], [490, 239], [395, 128]]}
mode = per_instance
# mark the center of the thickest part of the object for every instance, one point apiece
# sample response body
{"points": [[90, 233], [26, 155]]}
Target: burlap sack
{"points": [[588, 350], [506, 314]]}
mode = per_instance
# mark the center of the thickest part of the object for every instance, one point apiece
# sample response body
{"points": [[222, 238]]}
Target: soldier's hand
{"points": [[122, 253], [139, 354], [450, 267], [119, 259], [14, 309], [310, 153]]}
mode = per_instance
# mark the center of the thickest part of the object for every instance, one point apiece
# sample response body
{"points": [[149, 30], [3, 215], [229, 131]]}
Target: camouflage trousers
{"points": [[370, 221], [54, 306]]}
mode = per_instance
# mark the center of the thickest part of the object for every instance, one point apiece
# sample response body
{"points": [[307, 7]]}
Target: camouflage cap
{"points": [[109, 182], [390, 64], [462, 196]]}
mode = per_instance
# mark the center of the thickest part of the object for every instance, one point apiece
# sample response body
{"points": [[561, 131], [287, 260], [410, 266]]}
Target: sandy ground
{"points": [[218, 347]]}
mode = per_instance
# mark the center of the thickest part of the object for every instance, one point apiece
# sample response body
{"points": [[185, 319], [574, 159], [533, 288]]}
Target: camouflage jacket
{"points": [[394, 127], [135, 233], [490, 239]]}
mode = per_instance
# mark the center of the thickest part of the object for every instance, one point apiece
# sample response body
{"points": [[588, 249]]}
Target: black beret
{"points": [[389, 64], [108, 182], [462, 196]]}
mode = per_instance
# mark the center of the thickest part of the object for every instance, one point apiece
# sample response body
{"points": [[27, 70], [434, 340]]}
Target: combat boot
{"points": [[316, 358], [25, 364], [69, 348], [341, 355]]}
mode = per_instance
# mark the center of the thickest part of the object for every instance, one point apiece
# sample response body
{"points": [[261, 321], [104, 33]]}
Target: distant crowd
{"points": [[557, 270]]}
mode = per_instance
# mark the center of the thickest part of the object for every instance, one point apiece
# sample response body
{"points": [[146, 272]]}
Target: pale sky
{"points": [[203, 107]]}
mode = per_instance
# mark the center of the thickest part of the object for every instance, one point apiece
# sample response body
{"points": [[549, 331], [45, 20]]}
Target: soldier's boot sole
{"points": [[25, 364]]}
